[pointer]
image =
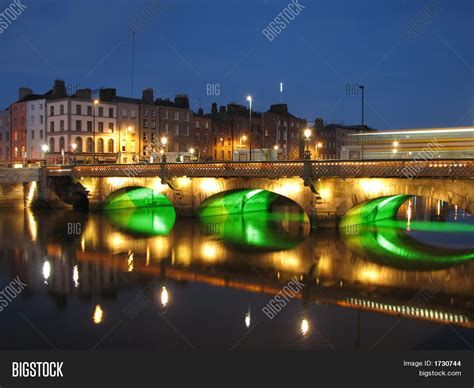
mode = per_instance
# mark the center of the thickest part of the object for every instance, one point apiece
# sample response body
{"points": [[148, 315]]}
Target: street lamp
{"points": [[249, 99], [307, 135], [74, 147], [96, 102], [164, 141], [45, 149], [191, 151], [275, 147], [318, 146]]}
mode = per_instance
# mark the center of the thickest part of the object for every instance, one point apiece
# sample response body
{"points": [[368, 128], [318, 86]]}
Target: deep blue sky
{"points": [[425, 82]]}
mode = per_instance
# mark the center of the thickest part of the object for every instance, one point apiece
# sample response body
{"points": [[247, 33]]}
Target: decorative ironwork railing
{"points": [[307, 169]]}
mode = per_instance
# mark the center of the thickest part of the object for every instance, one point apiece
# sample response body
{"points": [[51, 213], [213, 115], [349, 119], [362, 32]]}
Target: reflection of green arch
{"points": [[259, 230], [388, 242], [238, 202], [373, 210], [145, 221], [136, 197]]}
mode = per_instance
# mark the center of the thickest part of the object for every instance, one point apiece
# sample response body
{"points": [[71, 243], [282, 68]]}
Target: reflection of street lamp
{"points": [[304, 326], [164, 142], [249, 99], [45, 149], [307, 135]]}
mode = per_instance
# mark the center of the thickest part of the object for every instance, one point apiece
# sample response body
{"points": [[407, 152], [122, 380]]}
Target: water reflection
{"points": [[114, 258]]}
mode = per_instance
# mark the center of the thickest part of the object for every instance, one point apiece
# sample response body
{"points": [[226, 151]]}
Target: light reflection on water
{"points": [[235, 262]]}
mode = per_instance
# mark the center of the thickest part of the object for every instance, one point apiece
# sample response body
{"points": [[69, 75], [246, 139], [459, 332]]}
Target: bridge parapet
{"points": [[329, 169]]}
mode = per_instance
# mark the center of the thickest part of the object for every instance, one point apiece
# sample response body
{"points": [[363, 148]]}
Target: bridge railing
{"points": [[335, 168]]}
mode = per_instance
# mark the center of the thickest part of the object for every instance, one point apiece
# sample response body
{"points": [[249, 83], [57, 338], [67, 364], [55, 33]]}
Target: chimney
{"points": [[222, 109], [24, 92], [85, 94], [108, 94], [59, 89], [182, 101], [200, 112], [147, 96], [214, 109]]}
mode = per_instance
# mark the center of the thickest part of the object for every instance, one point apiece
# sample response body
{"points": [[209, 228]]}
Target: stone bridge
{"points": [[325, 190]]}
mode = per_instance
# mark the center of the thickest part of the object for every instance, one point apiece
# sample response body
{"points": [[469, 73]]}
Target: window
{"points": [[152, 137], [186, 117], [41, 119], [165, 114], [51, 126], [197, 137], [89, 110], [153, 123], [32, 135], [41, 106], [145, 150], [124, 113], [207, 124], [198, 124], [32, 119], [145, 136], [51, 110], [205, 137], [176, 130], [153, 113], [166, 130], [41, 134], [61, 109], [89, 144], [101, 111], [186, 132], [89, 126], [78, 125], [111, 112], [110, 145], [145, 112], [132, 113], [79, 109], [111, 127], [33, 107], [176, 116], [78, 144], [51, 145], [100, 127], [61, 143], [100, 145]]}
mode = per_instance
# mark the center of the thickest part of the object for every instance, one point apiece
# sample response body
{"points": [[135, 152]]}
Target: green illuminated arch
{"points": [[149, 221], [238, 202], [388, 242], [136, 197], [259, 230], [374, 210]]}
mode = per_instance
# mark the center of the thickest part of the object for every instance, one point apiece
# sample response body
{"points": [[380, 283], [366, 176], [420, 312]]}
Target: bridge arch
{"points": [[458, 193], [131, 197]]}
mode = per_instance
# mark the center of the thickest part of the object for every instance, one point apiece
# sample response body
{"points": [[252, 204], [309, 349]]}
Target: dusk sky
{"points": [[423, 82]]}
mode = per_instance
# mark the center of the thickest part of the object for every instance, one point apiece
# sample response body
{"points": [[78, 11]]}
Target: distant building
{"points": [[333, 140]]}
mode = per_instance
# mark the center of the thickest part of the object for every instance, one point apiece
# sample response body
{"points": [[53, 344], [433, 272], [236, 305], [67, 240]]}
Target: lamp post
{"points": [[275, 147], [96, 102], [45, 149], [74, 147], [307, 135], [191, 151], [249, 99], [318, 146], [164, 141], [362, 87]]}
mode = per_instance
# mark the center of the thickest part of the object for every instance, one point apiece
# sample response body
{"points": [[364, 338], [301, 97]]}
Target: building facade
{"points": [[36, 127], [5, 135]]}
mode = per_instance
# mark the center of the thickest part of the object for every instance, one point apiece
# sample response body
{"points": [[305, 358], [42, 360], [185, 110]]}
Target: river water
{"points": [[143, 279]]}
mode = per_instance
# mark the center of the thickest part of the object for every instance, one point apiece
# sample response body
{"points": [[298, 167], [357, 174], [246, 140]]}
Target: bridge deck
{"points": [[334, 168]]}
